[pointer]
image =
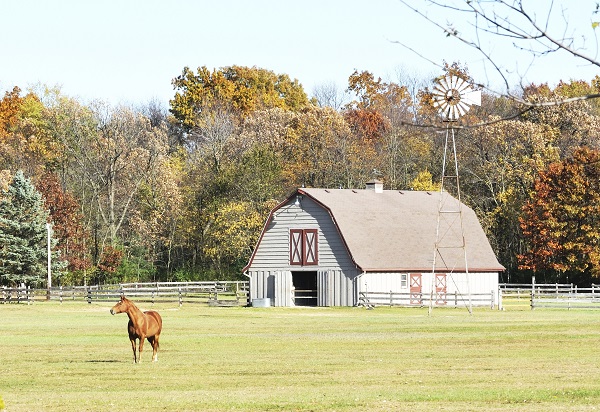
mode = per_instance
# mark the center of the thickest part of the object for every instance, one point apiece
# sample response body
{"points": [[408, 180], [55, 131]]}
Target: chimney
{"points": [[375, 185]]}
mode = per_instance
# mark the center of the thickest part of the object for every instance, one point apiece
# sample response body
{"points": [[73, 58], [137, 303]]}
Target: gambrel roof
{"points": [[395, 230], [391, 230]]}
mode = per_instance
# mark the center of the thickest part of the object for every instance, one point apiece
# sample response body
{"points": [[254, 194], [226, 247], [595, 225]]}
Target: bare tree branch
{"points": [[509, 20]]}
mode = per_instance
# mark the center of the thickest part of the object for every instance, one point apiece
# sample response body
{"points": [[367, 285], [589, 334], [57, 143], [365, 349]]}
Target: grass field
{"points": [[76, 357]]}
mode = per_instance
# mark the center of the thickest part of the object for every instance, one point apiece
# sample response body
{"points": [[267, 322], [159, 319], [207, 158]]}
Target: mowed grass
{"points": [[77, 357]]}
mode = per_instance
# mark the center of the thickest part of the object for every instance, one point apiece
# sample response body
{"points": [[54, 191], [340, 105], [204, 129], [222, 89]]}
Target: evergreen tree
{"points": [[23, 233]]}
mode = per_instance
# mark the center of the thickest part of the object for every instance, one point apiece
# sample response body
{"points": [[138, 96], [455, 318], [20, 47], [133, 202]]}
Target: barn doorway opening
{"points": [[305, 288]]}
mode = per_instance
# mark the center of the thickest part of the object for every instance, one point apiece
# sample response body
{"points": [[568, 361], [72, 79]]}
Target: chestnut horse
{"points": [[142, 326]]}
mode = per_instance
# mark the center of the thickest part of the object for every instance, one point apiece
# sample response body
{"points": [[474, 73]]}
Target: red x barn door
{"points": [[441, 289], [416, 289]]}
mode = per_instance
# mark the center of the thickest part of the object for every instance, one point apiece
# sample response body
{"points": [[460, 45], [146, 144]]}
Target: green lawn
{"points": [[77, 357]]}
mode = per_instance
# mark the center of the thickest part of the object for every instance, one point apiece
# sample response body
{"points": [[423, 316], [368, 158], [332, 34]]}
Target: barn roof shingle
{"points": [[394, 230]]}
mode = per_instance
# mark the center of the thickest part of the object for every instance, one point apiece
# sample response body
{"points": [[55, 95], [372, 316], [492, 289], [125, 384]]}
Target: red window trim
{"points": [[304, 247], [296, 241]]}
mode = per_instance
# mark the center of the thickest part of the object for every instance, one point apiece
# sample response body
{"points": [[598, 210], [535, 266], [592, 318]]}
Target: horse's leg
{"points": [[133, 347], [142, 339], [154, 342]]}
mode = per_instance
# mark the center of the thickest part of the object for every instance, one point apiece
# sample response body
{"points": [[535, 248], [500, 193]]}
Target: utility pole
{"points": [[49, 239]]}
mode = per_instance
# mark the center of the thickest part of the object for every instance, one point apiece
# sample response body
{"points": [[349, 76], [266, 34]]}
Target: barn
{"points": [[344, 247]]}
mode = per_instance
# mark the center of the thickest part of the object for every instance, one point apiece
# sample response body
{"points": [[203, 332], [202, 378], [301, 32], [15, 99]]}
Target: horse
{"points": [[142, 326]]}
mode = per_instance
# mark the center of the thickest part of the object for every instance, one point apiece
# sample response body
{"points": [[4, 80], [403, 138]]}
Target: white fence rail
{"points": [[552, 295], [534, 295], [407, 299], [212, 293]]}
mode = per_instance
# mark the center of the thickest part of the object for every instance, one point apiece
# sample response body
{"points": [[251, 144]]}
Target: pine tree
{"points": [[23, 233]]}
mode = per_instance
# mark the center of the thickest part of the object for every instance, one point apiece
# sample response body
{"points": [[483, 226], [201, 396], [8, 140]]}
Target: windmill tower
{"points": [[453, 98]]}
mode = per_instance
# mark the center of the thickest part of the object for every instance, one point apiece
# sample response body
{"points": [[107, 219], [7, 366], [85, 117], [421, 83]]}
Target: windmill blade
{"points": [[453, 82], [462, 108], [461, 85], [445, 83]]}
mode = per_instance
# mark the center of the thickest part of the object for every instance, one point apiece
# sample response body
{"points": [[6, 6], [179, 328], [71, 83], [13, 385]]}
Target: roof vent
{"points": [[375, 185]]}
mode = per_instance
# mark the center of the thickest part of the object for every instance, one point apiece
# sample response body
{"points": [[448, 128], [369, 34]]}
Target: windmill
{"points": [[453, 97]]}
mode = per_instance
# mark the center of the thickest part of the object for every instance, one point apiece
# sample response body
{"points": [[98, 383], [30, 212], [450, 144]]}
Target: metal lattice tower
{"points": [[452, 97]]}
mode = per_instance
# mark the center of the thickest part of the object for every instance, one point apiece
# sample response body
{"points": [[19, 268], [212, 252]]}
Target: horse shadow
{"points": [[105, 361]]}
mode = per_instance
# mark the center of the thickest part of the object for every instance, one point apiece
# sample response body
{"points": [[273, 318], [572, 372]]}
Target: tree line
{"points": [[148, 193]]}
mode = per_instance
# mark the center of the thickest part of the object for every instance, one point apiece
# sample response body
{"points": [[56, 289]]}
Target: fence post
{"points": [[492, 299], [89, 295], [61, 294], [180, 297], [500, 298], [532, 292]]}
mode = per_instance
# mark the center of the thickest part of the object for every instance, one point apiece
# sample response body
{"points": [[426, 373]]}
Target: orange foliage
{"points": [[560, 221], [369, 125]]}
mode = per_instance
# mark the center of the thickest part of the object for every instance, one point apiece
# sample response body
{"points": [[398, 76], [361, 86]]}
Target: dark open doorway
{"points": [[305, 288]]}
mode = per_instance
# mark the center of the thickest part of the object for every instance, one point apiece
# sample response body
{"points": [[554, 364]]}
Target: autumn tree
{"points": [[327, 154], [158, 219], [380, 116], [424, 182], [67, 225], [577, 124], [243, 89], [232, 232], [24, 139], [364, 115], [498, 165], [560, 221], [270, 133]]}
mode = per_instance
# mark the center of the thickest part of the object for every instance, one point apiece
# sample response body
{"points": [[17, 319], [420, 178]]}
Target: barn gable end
{"points": [[334, 270]]}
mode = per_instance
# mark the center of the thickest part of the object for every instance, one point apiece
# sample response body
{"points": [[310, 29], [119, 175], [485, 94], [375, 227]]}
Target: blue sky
{"points": [[127, 51]]}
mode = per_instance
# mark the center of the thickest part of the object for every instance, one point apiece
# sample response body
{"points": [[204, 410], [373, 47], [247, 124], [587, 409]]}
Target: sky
{"points": [[128, 51]]}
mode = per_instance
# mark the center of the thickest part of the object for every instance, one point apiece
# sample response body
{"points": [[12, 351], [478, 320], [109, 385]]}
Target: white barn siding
{"points": [[335, 269], [483, 286]]}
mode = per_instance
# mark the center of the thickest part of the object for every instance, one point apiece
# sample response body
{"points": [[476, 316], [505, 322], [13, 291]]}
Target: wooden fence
{"points": [[211, 293], [534, 295], [407, 299], [550, 295]]}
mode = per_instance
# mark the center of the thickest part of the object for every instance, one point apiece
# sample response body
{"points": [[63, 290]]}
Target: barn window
{"points": [[403, 280], [304, 247]]}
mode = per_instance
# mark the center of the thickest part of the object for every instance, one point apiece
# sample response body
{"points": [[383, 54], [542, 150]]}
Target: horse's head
{"points": [[121, 306]]}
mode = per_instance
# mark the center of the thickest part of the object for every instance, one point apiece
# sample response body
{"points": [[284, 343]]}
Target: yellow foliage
{"points": [[233, 231], [424, 182]]}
